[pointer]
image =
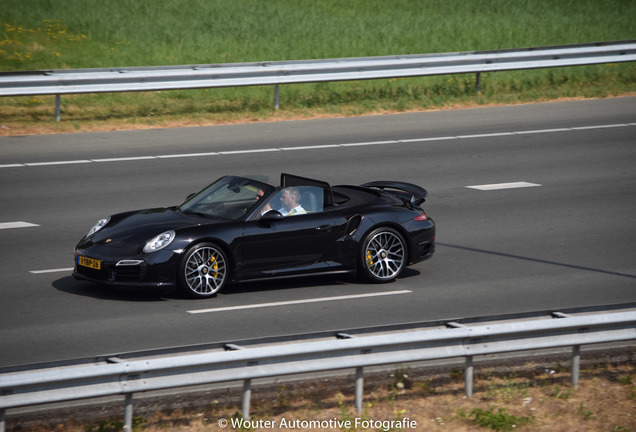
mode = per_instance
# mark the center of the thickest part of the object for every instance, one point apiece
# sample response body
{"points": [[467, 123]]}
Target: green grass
{"points": [[147, 32], [48, 34]]}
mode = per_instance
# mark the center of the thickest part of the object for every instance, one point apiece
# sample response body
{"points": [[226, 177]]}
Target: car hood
{"points": [[133, 229]]}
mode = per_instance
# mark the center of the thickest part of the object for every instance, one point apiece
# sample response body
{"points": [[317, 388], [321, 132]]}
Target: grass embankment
{"points": [[41, 34], [534, 397]]}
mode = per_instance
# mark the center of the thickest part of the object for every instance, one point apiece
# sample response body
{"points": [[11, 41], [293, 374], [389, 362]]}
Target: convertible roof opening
{"points": [[288, 180]]}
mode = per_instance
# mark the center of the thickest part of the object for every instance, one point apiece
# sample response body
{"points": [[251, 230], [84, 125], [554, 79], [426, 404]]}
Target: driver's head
{"points": [[291, 198]]}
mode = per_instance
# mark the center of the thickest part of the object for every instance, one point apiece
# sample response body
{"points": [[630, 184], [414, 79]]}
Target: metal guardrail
{"points": [[121, 79], [118, 376]]}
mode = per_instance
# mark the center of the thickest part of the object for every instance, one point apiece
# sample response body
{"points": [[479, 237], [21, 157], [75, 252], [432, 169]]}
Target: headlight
{"points": [[159, 242], [99, 225]]}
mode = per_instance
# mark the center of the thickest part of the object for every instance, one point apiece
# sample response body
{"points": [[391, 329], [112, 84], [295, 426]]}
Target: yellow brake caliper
{"points": [[215, 273], [369, 259]]}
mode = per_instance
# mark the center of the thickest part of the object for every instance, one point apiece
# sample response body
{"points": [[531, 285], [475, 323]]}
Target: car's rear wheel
{"points": [[383, 255], [203, 271]]}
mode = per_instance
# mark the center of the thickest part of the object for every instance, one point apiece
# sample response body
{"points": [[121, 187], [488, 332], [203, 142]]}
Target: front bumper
{"points": [[158, 269]]}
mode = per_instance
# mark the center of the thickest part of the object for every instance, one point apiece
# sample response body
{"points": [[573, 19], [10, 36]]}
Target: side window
{"points": [[312, 198], [297, 200]]}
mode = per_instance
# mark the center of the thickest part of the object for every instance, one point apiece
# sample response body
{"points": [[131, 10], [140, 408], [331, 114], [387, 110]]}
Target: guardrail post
{"points": [[3, 419], [247, 396], [576, 365], [468, 376], [276, 97], [359, 389], [58, 108], [478, 79], [128, 412]]}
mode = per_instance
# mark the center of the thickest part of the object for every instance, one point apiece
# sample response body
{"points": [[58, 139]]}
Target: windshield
{"points": [[228, 198]]}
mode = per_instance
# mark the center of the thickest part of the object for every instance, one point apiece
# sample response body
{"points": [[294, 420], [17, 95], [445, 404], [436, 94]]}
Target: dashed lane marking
{"points": [[58, 270], [10, 225], [295, 302], [497, 186]]}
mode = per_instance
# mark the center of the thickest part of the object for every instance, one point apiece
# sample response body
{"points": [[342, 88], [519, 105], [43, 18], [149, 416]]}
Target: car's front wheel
{"points": [[383, 255], [203, 271]]}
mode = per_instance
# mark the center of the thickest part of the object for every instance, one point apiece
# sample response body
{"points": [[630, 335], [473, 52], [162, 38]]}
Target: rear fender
{"points": [[368, 225]]}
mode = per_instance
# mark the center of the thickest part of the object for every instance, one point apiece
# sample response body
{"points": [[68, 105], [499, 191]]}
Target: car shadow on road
{"points": [[289, 283], [72, 286], [69, 285]]}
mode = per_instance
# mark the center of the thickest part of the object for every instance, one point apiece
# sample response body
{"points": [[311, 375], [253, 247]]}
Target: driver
{"points": [[290, 200]]}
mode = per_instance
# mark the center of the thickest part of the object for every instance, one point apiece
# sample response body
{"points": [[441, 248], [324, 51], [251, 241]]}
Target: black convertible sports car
{"points": [[241, 228]]}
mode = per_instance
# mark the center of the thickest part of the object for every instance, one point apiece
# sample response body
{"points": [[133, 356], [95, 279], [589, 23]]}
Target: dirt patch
{"points": [[26, 127]]}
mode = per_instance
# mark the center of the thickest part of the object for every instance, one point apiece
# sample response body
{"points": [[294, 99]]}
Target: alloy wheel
{"points": [[385, 255], [205, 271]]}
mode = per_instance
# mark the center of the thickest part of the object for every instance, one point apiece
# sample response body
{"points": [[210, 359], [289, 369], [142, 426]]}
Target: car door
{"points": [[293, 244]]}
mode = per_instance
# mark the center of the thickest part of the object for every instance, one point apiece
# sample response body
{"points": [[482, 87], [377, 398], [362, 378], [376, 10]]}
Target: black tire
{"points": [[203, 271], [383, 255]]}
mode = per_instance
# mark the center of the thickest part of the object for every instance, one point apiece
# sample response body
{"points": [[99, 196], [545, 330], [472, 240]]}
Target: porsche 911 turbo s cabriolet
{"points": [[241, 229]]}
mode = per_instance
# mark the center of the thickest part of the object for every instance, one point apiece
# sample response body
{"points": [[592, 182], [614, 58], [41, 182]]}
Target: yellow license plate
{"points": [[89, 262]]}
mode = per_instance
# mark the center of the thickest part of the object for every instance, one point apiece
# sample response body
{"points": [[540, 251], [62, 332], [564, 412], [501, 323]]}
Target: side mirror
{"points": [[271, 216]]}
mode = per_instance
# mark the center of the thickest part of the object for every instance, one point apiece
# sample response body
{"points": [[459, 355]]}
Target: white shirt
{"points": [[295, 211]]}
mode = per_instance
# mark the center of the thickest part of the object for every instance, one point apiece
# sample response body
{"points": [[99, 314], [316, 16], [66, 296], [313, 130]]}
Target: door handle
{"points": [[325, 228]]}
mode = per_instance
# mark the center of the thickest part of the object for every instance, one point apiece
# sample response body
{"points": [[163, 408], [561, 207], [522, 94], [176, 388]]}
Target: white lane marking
{"points": [[59, 270], [488, 135], [497, 186], [187, 155], [314, 147], [542, 131], [415, 140], [293, 302], [122, 159], [369, 143], [319, 146], [604, 126], [9, 225], [33, 164], [231, 152]]}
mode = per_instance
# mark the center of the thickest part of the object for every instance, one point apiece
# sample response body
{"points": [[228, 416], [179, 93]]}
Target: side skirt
{"points": [[300, 275]]}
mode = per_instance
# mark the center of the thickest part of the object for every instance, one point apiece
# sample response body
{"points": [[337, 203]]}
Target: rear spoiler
{"points": [[412, 195]]}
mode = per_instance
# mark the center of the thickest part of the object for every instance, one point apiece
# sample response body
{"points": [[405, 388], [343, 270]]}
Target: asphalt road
{"points": [[568, 239]]}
